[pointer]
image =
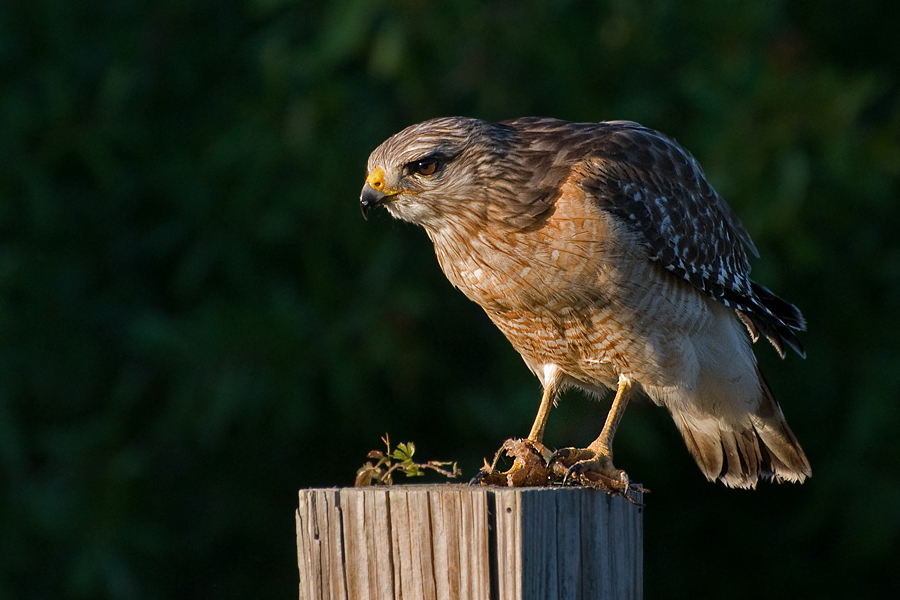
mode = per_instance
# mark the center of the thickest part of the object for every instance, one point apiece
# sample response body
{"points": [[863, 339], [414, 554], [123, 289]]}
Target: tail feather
{"points": [[739, 456], [775, 319]]}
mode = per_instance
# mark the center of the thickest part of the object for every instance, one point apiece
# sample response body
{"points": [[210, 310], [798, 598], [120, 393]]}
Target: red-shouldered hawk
{"points": [[605, 257]]}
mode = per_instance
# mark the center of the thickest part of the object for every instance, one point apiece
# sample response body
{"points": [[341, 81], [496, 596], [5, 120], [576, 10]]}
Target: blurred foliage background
{"points": [[195, 321]]}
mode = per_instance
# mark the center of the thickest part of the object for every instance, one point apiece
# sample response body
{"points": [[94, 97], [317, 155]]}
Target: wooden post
{"points": [[468, 542]]}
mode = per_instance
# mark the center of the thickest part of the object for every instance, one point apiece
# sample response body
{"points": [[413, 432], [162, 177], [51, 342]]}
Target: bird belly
{"points": [[652, 329], [585, 354], [583, 294]]}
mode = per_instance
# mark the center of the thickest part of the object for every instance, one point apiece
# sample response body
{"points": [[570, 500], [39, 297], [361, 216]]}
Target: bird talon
{"points": [[558, 456], [576, 469], [479, 478]]}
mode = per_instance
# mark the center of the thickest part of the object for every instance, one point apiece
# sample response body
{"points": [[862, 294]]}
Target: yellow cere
{"points": [[376, 178]]}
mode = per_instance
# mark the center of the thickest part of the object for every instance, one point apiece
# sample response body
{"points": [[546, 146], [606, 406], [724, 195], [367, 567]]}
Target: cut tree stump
{"points": [[468, 542]]}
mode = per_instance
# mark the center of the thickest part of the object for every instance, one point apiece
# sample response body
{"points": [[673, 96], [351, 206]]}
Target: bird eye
{"points": [[427, 166]]}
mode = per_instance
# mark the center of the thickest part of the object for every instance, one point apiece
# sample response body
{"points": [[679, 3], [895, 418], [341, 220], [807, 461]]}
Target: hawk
{"points": [[609, 262]]}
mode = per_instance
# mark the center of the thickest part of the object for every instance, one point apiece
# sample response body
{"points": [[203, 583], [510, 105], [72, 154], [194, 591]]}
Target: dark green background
{"points": [[195, 321]]}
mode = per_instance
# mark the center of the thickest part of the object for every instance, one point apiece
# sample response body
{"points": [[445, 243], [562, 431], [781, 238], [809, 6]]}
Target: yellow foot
{"points": [[590, 467], [535, 465], [529, 465]]}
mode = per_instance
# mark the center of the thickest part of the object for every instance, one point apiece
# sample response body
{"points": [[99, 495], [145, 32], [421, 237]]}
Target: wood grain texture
{"points": [[568, 543], [445, 542]]}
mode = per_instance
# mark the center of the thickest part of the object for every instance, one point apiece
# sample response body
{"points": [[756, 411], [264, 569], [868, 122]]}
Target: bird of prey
{"points": [[609, 262]]}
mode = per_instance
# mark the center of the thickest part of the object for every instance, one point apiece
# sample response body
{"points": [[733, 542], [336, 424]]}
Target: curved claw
{"points": [[557, 456], [478, 479], [576, 469]]}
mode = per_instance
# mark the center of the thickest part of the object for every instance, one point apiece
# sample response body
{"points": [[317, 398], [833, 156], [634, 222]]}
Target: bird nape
{"points": [[609, 262]]}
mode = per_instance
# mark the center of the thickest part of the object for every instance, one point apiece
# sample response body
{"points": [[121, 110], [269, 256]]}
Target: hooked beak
{"points": [[373, 193], [370, 198]]}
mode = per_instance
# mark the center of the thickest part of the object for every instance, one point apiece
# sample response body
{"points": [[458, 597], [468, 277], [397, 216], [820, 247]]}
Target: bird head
{"points": [[430, 172]]}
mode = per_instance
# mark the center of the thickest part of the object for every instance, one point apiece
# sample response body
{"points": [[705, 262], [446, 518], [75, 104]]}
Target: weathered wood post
{"points": [[468, 542]]}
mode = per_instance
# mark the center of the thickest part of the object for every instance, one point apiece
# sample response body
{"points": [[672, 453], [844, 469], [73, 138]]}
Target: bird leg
{"points": [[548, 399], [530, 456], [534, 464], [594, 463]]}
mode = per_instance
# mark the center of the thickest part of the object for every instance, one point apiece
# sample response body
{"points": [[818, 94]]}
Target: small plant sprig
{"points": [[381, 473]]}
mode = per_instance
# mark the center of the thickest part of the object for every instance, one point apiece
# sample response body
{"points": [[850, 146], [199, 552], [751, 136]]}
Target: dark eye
{"points": [[426, 166]]}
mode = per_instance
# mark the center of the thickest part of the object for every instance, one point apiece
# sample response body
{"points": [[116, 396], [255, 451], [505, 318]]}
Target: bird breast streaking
{"points": [[609, 262]]}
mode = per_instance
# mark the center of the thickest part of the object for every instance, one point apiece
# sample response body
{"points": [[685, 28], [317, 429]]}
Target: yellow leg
{"points": [[597, 458], [603, 444], [530, 455], [548, 399]]}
